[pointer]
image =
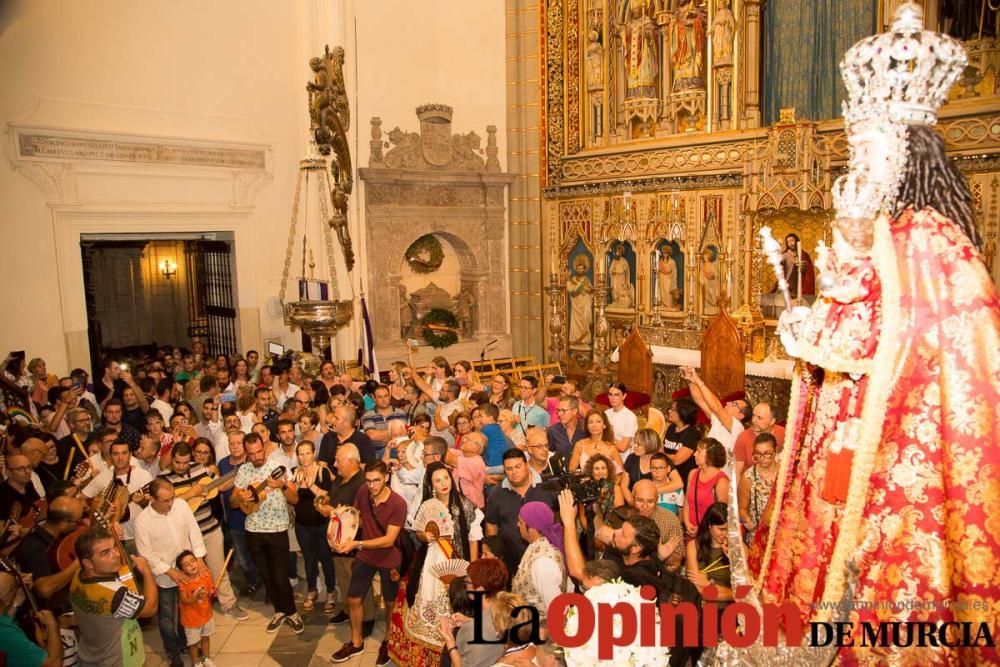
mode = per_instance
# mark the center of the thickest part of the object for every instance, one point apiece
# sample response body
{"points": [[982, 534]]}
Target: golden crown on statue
{"points": [[905, 73]]}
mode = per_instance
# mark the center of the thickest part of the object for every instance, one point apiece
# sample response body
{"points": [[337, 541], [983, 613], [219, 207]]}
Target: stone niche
{"points": [[437, 182]]}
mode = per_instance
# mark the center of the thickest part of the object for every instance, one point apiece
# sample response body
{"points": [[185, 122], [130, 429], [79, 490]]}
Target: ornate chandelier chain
{"points": [[291, 237]]}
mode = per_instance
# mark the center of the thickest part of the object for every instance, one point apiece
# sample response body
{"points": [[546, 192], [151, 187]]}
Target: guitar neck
{"points": [[222, 479]]}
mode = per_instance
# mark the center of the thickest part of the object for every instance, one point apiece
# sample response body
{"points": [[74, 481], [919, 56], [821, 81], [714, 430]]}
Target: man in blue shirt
{"points": [[527, 410]]}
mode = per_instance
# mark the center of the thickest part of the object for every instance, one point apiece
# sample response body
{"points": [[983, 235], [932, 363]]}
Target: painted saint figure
{"points": [[791, 263], [581, 303], [667, 286], [687, 46], [640, 51], [621, 279], [709, 280]]}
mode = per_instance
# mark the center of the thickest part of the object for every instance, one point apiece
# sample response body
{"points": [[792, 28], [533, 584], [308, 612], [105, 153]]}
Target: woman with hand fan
{"points": [[449, 528]]}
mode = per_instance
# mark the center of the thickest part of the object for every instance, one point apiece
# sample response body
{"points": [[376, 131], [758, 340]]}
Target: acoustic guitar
{"points": [[259, 492], [210, 488]]}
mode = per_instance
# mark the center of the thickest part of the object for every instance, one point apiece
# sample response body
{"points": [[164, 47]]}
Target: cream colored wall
{"points": [[239, 66]]}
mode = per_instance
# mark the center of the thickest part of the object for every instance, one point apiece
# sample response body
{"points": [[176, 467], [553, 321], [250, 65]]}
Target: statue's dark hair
{"points": [[931, 179]]}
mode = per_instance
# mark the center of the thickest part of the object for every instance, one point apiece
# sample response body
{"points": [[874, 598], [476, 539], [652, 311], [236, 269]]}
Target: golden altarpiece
{"points": [[658, 174]]}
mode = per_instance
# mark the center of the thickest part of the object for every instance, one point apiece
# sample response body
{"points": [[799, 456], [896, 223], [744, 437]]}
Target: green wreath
{"points": [[439, 317], [428, 243]]}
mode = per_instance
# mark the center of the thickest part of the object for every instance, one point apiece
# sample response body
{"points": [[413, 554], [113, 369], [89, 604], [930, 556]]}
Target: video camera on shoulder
{"points": [[586, 490]]}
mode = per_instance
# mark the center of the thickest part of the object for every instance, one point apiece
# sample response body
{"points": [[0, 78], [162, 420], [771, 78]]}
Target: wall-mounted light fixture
{"points": [[168, 267]]}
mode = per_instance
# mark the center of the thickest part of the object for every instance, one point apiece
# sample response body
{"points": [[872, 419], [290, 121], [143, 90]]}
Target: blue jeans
{"points": [[168, 618], [316, 552], [243, 558]]}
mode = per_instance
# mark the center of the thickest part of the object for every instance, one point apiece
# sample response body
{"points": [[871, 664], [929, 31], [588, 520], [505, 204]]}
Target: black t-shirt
{"points": [[502, 509], [32, 555], [328, 447], [135, 418], [305, 511], [673, 442], [344, 493], [634, 470], [101, 390], [9, 495]]}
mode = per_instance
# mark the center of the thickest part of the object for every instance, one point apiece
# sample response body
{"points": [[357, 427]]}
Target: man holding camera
{"points": [[635, 545]]}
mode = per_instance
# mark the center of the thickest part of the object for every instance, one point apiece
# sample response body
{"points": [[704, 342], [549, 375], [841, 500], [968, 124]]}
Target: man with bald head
{"points": [[541, 459], [644, 497], [344, 422], [763, 422], [32, 554]]}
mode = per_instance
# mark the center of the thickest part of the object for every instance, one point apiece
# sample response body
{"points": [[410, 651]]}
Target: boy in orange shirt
{"points": [[197, 617]]}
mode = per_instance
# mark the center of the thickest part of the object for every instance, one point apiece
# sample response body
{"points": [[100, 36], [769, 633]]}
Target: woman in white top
{"points": [[623, 421], [599, 442]]}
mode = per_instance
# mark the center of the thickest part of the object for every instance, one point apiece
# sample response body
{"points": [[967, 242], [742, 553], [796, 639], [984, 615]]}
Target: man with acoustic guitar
{"points": [[258, 484], [126, 471], [18, 487]]}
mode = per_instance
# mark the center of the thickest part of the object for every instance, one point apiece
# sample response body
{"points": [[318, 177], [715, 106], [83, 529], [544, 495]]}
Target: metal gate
{"points": [[210, 295]]}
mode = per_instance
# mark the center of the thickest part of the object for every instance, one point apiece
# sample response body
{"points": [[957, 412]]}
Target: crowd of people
{"points": [[468, 491]]}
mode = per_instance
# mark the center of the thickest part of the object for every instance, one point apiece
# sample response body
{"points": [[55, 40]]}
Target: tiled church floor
{"points": [[246, 643]]}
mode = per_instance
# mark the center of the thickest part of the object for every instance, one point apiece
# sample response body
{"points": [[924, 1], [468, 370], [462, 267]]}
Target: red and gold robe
{"points": [[892, 458]]}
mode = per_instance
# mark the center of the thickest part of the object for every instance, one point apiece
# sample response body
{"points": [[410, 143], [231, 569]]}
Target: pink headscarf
{"points": [[539, 516]]}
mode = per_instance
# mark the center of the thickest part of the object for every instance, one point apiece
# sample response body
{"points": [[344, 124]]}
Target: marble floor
{"points": [[247, 644]]}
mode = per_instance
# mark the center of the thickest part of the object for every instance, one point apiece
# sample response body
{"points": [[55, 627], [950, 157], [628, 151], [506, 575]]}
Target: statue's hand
{"points": [[789, 326]]}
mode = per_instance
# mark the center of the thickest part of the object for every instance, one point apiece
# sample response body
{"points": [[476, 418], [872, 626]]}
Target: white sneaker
{"points": [[207, 662]]}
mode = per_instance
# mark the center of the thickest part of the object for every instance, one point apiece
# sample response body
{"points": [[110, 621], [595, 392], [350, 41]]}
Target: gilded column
{"points": [[751, 64]]}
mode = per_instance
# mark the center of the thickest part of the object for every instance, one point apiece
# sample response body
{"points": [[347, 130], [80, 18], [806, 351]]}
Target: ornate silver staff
{"points": [[772, 251]]}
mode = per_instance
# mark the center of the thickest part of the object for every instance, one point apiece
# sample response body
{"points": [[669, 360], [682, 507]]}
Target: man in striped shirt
{"points": [[182, 474]]}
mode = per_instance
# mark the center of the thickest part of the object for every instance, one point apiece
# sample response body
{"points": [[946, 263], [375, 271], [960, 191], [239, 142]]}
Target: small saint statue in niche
{"points": [[595, 84], [667, 284], [620, 275], [581, 302], [709, 280], [723, 29]]}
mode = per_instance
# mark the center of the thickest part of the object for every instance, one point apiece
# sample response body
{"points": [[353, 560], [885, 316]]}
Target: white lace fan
{"points": [[343, 526], [448, 570], [434, 511]]}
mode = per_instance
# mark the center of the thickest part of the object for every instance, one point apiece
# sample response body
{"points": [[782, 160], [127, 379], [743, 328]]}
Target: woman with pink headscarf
{"points": [[541, 576]]}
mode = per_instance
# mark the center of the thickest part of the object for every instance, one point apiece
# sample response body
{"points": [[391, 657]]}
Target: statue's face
{"points": [[871, 149], [619, 251]]}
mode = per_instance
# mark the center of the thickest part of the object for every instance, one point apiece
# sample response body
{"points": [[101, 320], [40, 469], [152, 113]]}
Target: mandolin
{"points": [[259, 492], [210, 488]]}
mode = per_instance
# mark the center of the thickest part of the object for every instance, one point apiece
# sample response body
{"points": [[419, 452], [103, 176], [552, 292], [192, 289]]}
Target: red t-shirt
{"points": [[743, 449], [390, 513]]}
